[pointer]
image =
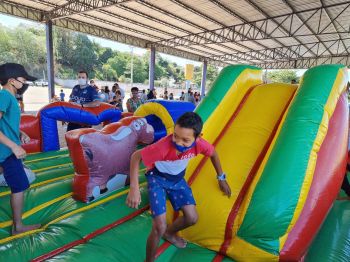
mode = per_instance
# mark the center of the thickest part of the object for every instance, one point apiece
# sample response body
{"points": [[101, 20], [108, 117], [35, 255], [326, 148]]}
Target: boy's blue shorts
{"points": [[178, 192], [14, 174]]}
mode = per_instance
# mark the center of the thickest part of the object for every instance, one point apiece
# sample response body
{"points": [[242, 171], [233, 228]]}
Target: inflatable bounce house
{"points": [[284, 148]]}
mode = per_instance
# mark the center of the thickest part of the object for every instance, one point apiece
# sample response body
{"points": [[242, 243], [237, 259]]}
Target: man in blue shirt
{"points": [[83, 95], [12, 79]]}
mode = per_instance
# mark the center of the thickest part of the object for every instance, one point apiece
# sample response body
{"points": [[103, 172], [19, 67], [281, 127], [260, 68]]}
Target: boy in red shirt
{"points": [[166, 163]]}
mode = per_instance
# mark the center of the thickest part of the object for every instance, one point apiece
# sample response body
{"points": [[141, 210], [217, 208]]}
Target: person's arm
{"points": [[134, 197], [16, 149], [224, 187], [94, 97], [93, 104], [129, 106], [70, 96], [24, 137]]}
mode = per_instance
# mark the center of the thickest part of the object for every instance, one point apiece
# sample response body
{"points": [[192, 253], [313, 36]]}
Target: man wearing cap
{"points": [[83, 95], [13, 79]]}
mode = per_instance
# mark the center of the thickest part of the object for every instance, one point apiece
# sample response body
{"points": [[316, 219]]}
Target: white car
{"points": [[41, 82]]}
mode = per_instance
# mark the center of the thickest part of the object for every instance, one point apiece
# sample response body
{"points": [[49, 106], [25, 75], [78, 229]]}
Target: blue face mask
{"points": [[183, 148]]}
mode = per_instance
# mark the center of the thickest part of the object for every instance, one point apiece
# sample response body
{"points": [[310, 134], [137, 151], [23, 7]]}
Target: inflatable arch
{"points": [[42, 129]]}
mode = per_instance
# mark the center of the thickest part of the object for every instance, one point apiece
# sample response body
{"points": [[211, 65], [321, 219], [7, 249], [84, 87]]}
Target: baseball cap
{"points": [[13, 70]]}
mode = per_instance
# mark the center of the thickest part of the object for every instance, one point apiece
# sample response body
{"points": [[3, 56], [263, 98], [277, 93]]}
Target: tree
{"points": [[108, 73], [23, 46], [104, 54], [119, 63], [84, 56], [282, 76], [140, 74], [64, 49]]}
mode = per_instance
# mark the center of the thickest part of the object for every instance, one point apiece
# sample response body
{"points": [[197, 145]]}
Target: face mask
{"points": [[82, 81], [183, 148], [22, 89]]}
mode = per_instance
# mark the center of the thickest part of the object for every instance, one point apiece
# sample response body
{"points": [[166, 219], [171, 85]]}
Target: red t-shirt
{"points": [[162, 155]]}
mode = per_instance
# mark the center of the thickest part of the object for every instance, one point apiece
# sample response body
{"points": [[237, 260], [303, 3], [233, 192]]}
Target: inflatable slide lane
{"points": [[284, 150]]}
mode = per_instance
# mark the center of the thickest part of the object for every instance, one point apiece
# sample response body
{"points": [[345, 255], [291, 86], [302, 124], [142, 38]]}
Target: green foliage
{"points": [[282, 76], [25, 46], [74, 52]]}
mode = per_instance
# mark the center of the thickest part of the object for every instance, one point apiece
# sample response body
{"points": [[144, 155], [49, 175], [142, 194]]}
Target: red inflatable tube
{"points": [[31, 126], [328, 177]]}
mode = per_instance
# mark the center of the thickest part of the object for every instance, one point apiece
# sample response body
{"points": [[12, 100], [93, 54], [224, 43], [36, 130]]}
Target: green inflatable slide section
{"points": [[332, 243]]}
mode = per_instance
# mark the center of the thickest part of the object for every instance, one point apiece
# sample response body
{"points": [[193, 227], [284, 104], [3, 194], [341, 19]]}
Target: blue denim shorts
{"points": [[14, 174], [178, 192]]}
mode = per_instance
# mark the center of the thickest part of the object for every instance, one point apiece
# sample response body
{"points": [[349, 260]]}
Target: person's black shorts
{"points": [[73, 126], [14, 174]]}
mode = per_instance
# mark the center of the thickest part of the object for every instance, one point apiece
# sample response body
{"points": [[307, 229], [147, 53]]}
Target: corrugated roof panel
{"points": [[220, 48], [158, 13], [329, 37], [57, 2], [93, 22], [240, 48], [298, 26], [269, 43], [332, 2], [316, 21], [33, 4], [341, 15], [209, 51], [197, 51], [111, 26], [146, 21], [288, 41], [244, 9], [179, 20], [307, 39], [335, 47], [136, 26], [186, 14], [253, 45], [216, 12], [300, 5], [274, 7]]}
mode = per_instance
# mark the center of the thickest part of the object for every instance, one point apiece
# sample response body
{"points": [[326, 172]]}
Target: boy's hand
{"points": [[19, 152], [134, 198], [24, 138], [224, 187]]}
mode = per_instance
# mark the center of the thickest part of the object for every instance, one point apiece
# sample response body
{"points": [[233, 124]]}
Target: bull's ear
{"points": [[122, 133]]}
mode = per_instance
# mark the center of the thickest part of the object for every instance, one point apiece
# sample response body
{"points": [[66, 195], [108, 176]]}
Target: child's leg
{"points": [[17, 180], [180, 196], [157, 200], [188, 219], [158, 230], [17, 206]]}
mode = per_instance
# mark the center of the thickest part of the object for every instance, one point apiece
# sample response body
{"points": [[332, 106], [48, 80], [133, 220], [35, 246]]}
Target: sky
{"points": [[11, 21]]}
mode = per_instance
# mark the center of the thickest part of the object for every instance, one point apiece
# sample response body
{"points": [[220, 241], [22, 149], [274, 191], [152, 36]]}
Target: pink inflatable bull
{"points": [[108, 155]]}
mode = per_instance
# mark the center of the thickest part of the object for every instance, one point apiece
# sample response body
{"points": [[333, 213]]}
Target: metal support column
{"points": [[204, 78], [152, 64], [50, 59]]}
